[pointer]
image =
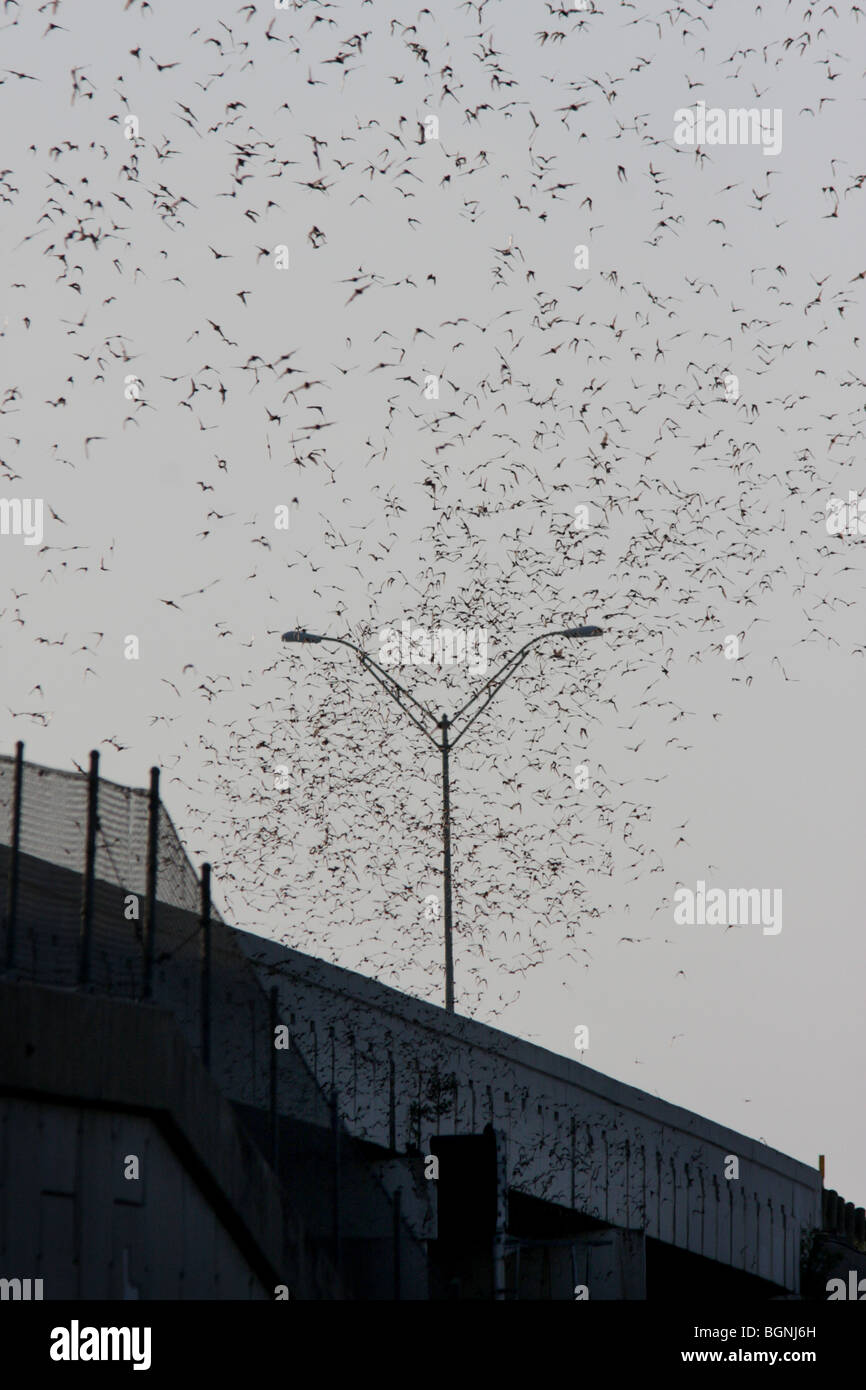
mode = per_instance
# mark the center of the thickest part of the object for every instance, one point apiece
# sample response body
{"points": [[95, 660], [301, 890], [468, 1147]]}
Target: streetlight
{"points": [[445, 743]]}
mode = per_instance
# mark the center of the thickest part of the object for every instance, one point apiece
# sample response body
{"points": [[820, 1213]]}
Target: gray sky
{"points": [[598, 385]]}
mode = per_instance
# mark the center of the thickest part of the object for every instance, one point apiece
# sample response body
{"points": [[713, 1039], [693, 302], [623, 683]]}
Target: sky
{"points": [[166, 387]]}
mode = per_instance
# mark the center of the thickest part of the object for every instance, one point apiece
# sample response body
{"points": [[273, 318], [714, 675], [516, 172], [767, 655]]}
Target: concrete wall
{"points": [[86, 1081], [69, 1217], [241, 1049]]}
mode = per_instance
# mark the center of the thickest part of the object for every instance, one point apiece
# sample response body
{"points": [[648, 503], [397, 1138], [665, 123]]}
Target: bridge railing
{"points": [[842, 1218]]}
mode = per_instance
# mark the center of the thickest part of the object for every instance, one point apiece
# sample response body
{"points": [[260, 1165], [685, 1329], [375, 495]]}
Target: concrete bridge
{"points": [[600, 1182], [425, 1154]]}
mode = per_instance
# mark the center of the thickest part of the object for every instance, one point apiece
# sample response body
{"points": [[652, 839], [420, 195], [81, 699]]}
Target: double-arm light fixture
{"points": [[445, 743]]}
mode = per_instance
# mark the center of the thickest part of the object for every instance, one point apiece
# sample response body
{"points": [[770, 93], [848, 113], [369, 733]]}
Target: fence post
{"points": [[338, 1233], [392, 1100], [15, 854], [398, 1201], [89, 870], [273, 1092], [205, 964], [149, 942]]}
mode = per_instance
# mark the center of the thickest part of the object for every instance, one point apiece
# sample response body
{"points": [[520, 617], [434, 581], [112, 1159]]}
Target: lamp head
{"points": [[583, 632], [301, 635]]}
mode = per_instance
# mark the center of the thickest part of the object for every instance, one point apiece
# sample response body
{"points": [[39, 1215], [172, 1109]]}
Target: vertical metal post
{"points": [[446, 864], [338, 1232], [398, 1202], [15, 857], [500, 1236], [86, 935], [272, 1000], [149, 942], [392, 1101], [205, 964]]}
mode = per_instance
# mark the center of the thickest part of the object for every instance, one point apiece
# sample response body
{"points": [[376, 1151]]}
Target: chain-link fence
{"points": [[58, 931]]}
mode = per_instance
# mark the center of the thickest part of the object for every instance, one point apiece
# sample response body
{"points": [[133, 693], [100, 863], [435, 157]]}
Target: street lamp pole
{"points": [[444, 745], [446, 866]]}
